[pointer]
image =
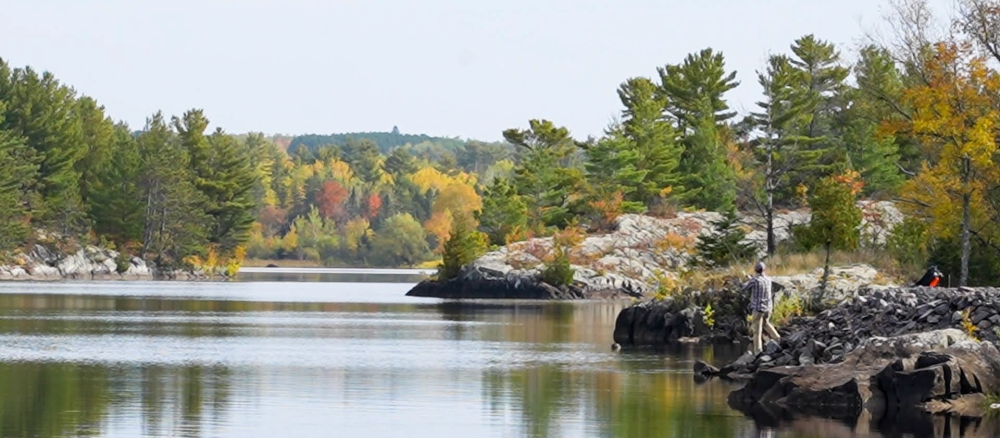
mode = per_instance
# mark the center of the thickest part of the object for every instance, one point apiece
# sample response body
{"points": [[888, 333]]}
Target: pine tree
{"points": [[546, 176], [778, 149], [98, 139], [878, 157], [694, 95], [363, 157], [724, 246], [116, 199], [400, 162], [20, 169], [504, 211], [224, 174], [229, 189], [176, 225], [41, 110], [463, 246], [687, 86], [709, 176], [652, 138], [611, 166], [821, 82]]}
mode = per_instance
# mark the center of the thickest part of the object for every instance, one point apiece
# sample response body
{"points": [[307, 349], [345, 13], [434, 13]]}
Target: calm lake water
{"points": [[306, 358]]}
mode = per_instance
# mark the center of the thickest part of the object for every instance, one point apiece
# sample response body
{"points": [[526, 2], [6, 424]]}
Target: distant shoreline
{"points": [[311, 270]]}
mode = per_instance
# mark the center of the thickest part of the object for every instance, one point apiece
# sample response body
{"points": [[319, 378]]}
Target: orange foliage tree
{"points": [[330, 200]]}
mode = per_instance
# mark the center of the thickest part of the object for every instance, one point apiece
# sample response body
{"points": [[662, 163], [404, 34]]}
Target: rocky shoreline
{"points": [[87, 263], [883, 350], [500, 289]]}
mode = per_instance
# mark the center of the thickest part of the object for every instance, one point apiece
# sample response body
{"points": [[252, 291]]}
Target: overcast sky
{"points": [[467, 68]]}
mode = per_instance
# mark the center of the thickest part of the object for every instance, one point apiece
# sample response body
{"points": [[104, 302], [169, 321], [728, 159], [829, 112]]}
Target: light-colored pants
{"points": [[761, 322]]}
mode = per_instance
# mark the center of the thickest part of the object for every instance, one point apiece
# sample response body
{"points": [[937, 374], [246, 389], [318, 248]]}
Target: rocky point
{"points": [[630, 259], [895, 348]]}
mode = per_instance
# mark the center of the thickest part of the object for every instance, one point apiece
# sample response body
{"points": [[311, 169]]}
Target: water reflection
{"points": [[317, 360], [911, 423]]}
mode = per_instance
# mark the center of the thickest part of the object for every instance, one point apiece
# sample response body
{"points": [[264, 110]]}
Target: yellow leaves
{"points": [[457, 197], [954, 116], [439, 225], [355, 230], [290, 242], [341, 172], [802, 194], [852, 180], [430, 178]]}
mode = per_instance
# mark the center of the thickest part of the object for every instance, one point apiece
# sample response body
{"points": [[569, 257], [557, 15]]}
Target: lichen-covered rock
{"points": [[642, 250], [843, 282], [89, 262]]}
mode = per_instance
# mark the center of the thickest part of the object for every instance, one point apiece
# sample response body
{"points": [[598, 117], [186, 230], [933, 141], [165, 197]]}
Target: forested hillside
{"points": [[914, 119]]}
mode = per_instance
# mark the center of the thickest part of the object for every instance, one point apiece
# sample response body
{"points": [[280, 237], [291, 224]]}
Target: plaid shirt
{"points": [[760, 293]]}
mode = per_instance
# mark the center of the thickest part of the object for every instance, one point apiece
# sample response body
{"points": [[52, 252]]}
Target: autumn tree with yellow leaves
{"points": [[954, 115]]}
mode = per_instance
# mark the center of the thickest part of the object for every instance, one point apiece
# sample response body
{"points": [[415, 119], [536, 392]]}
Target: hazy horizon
{"points": [[441, 67]]}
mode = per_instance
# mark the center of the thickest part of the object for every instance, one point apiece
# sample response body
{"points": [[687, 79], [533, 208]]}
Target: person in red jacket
{"points": [[931, 278]]}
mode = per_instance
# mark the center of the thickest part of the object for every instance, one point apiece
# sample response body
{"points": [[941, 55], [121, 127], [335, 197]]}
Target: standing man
{"points": [[761, 304]]}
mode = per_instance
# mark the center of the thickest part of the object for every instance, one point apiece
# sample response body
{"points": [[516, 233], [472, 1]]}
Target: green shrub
{"points": [[558, 272], [724, 246], [786, 308], [908, 242], [463, 246], [122, 262]]}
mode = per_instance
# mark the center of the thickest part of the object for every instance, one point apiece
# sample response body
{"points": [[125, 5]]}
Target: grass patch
{"points": [[798, 263]]}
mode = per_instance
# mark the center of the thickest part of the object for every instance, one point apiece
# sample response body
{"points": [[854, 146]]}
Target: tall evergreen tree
{"points": [[686, 86], [116, 199], [20, 169], [401, 162], [694, 96], [613, 168], [229, 190], [363, 157], [778, 148], [879, 158], [706, 169], [41, 110], [98, 139], [224, 174], [822, 83], [546, 177], [653, 139], [176, 225]]}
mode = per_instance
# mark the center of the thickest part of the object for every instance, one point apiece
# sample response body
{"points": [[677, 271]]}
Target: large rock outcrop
{"points": [[942, 371], [631, 259], [660, 323]]}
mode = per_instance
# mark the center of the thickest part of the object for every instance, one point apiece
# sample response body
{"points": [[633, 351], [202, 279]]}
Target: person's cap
{"points": [[759, 267]]}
